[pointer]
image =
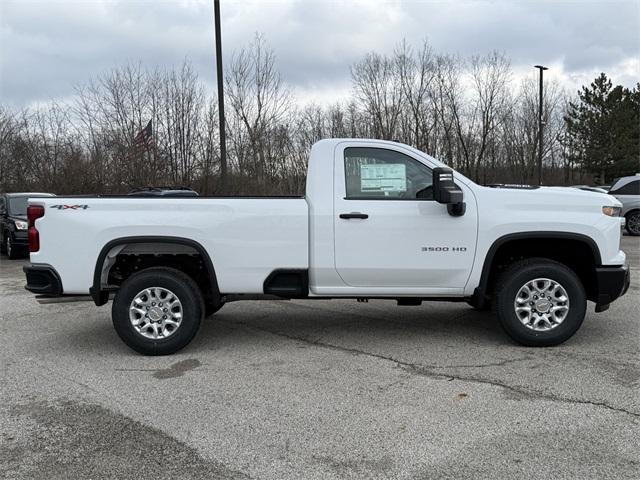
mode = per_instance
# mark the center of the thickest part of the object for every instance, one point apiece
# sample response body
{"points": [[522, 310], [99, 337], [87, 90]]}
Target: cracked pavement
{"points": [[317, 390]]}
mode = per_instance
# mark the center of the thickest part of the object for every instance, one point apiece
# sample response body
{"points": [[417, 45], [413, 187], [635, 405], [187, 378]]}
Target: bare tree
{"points": [[178, 108], [467, 112], [259, 104], [417, 74], [378, 89]]}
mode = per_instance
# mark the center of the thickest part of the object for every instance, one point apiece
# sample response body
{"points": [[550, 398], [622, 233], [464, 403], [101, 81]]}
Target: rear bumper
{"points": [[43, 280], [613, 282]]}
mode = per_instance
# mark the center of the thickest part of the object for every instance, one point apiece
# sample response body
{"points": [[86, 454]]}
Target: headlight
{"points": [[611, 211], [20, 225]]}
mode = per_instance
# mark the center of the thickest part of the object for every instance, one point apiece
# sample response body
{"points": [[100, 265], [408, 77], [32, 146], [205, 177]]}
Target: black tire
{"points": [[3, 243], [515, 277], [12, 251], [182, 286], [633, 223]]}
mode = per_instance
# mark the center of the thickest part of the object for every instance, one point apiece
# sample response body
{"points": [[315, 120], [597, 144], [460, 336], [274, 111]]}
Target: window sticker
{"points": [[383, 177]]}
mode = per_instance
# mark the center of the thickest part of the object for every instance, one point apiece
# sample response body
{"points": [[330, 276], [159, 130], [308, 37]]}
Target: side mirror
{"points": [[446, 191], [426, 193]]}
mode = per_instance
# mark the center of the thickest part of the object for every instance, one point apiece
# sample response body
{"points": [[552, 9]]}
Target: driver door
{"points": [[389, 232]]}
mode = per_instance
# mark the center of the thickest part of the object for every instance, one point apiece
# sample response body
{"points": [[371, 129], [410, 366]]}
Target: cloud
{"points": [[48, 46]]}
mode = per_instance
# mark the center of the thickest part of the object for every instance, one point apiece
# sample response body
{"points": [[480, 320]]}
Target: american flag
{"points": [[142, 142], [144, 138]]}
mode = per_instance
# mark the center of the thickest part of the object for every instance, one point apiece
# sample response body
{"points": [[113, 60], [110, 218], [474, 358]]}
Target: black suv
{"points": [[13, 222]]}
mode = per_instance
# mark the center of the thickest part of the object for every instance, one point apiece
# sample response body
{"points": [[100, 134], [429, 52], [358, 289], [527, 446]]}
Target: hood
{"points": [[578, 194], [557, 197]]}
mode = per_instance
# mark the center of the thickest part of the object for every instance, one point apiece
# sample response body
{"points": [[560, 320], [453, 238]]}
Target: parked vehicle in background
{"points": [[163, 192], [588, 188], [13, 222], [379, 220], [627, 191]]}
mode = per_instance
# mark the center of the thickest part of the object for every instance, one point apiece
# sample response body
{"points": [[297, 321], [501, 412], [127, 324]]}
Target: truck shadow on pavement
{"points": [[298, 322], [240, 324], [434, 328]]}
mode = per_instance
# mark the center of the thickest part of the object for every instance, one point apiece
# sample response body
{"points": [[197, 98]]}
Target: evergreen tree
{"points": [[603, 129]]}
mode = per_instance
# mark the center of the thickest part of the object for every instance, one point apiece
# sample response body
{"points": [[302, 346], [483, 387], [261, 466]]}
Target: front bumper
{"points": [[43, 280], [20, 238], [612, 283]]}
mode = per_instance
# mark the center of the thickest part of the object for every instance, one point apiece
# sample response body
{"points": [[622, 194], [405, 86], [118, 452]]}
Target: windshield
{"points": [[614, 184], [18, 205]]}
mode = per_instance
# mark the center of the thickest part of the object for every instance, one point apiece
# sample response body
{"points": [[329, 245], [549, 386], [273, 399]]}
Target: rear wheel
{"points": [[633, 223], [540, 302], [158, 311]]}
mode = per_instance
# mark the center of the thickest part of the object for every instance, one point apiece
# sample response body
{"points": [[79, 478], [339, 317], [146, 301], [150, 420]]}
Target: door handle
{"points": [[359, 215]]}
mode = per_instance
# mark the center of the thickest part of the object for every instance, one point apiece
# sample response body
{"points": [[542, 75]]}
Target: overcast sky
{"points": [[48, 46]]}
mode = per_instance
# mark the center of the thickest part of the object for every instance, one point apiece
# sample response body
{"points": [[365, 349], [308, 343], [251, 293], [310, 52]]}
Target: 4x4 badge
{"points": [[70, 207]]}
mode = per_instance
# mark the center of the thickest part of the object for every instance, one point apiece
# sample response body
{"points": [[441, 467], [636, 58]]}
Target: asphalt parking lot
{"points": [[317, 390]]}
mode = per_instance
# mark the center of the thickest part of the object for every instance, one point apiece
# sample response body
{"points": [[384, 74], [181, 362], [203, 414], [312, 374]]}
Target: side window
{"points": [[381, 174], [631, 188]]}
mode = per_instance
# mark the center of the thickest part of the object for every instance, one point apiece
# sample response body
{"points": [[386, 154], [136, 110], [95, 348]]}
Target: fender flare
{"points": [[479, 294], [100, 296]]}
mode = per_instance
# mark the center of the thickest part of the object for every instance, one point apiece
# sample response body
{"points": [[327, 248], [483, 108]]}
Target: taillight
{"points": [[33, 213]]}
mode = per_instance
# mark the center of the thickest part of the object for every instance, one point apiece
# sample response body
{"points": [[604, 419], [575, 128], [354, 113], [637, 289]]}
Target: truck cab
{"points": [[380, 231]]}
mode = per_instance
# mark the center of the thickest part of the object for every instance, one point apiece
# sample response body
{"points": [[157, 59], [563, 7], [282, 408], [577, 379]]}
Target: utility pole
{"points": [[540, 124], [223, 137]]}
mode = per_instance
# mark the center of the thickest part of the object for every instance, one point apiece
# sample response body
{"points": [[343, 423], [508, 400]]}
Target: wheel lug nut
{"points": [[164, 316], [164, 310]]}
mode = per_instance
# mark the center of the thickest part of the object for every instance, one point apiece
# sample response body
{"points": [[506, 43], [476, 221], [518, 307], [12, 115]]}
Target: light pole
{"points": [[223, 138], [540, 124]]}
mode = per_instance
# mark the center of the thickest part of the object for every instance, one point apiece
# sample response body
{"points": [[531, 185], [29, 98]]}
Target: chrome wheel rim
{"points": [[9, 246], [155, 313], [541, 304]]}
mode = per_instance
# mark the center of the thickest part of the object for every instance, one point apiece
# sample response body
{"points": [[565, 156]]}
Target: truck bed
{"points": [[246, 238]]}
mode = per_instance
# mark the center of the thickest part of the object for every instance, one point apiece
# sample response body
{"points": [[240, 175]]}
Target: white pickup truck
{"points": [[379, 220]]}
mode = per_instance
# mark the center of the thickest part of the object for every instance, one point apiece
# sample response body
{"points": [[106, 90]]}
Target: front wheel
{"points": [[540, 303], [158, 311], [633, 223], [12, 251]]}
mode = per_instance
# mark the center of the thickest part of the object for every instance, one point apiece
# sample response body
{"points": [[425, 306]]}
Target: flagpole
{"points": [[223, 138]]}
